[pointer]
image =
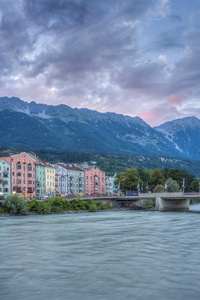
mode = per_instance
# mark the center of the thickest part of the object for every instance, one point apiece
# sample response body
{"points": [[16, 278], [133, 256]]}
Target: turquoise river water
{"points": [[105, 255]]}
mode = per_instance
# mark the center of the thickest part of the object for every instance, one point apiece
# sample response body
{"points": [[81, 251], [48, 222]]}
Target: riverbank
{"points": [[33, 213]]}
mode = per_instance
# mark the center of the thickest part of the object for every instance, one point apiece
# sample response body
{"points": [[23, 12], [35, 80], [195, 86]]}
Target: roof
{"points": [[70, 167]]}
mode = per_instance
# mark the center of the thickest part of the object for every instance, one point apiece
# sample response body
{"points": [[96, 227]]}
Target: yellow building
{"points": [[50, 180]]}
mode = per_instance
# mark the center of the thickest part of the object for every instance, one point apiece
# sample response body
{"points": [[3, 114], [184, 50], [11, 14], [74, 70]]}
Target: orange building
{"points": [[94, 181], [23, 175]]}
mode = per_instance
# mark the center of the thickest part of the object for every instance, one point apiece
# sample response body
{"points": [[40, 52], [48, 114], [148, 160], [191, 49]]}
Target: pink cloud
{"points": [[175, 99], [148, 115]]}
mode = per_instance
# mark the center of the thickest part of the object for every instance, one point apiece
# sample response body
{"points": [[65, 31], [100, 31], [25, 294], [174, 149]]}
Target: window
{"points": [[13, 180], [18, 166], [24, 168], [24, 174], [102, 183], [29, 175], [13, 166], [29, 168], [29, 181], [18, 181], [13, 173], [86, 182], [24, 181], [19, 174]]}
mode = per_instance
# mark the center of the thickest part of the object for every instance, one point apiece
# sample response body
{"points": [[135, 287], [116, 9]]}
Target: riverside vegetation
{"points": [[19, 206]]}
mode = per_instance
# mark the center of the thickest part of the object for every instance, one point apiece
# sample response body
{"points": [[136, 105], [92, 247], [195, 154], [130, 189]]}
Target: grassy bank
{"points": [[19, 206]]}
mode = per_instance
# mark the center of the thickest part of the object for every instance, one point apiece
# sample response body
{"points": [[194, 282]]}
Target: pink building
{"points": [[94, 181], [23, 175]]}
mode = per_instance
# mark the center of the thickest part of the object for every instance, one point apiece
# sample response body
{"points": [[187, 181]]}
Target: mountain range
{"points": [[39, 126]]}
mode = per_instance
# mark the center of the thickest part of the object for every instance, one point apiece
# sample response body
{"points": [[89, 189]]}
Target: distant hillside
{"points": [[112, 163], [40, 126]]}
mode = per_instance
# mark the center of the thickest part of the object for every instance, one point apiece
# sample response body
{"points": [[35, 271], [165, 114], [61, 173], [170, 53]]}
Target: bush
{"points": [[91, 205], [16, 205], [32, 204], [151, 203], [108, 206], [99, 205], [78, 204], [59, 204], [2, 210], [43, 207]]}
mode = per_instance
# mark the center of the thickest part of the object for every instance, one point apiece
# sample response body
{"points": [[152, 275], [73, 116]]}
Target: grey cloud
{"points": [[176, 18], [170, 39]]}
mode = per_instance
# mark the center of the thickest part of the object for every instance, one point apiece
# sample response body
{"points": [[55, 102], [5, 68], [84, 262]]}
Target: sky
{"points": [[133, 57]]}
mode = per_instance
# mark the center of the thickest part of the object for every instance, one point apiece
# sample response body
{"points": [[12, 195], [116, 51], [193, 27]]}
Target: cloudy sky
{"points": [[135, 57]]}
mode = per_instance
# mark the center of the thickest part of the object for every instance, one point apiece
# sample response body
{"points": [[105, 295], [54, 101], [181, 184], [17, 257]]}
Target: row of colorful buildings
{"points": [[30, 177]]}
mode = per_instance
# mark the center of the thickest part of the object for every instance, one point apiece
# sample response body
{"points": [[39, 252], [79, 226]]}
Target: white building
{"points": [[109, 185], [61, 181]]}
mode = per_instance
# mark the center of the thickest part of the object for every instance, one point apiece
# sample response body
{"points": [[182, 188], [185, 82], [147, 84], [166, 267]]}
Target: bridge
{"points": [[164, 201]]}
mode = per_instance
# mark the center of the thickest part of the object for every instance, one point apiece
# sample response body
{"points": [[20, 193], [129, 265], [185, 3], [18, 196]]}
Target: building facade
{"points": [[23, 175], [5, 176], [61, 181], [109, 185], [40, 179], [76, 179], [94, 181], [50, 173]]}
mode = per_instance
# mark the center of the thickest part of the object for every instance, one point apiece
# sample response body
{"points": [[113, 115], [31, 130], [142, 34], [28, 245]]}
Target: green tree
{"points": [[157, 177], [172, 185], [128, 180], [195, 185], [159, 189]]}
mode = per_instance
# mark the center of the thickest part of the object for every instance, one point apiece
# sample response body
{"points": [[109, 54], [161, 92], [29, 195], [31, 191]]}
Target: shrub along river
{"points": [[104, 255]]}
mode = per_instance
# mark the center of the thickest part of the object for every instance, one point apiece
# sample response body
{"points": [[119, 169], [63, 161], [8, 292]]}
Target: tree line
{"points": [[157, 180]]}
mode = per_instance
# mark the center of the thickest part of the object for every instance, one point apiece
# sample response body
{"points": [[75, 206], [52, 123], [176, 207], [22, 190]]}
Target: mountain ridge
{"points": [[64, 128]]}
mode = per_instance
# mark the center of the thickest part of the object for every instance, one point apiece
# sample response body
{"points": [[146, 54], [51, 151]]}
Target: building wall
{"points": [[76, 181], [23, 175], [61, 181], [40, 180], [95, 181], [50, 180], [5, 175], [109, 185]]}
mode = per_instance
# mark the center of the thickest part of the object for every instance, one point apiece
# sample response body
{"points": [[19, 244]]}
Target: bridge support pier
{"points": [[171, 205]]}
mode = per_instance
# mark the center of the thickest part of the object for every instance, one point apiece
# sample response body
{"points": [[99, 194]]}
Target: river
{"points": [[99, 256]]}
